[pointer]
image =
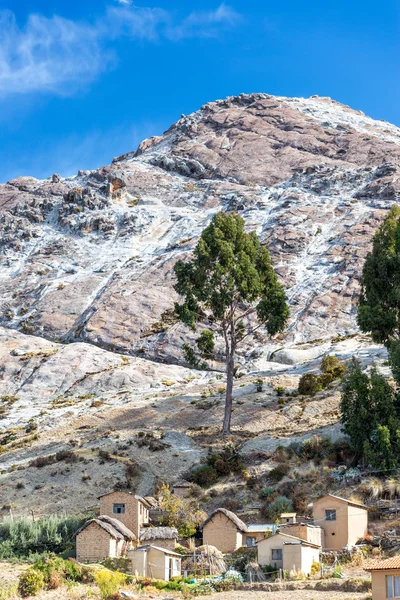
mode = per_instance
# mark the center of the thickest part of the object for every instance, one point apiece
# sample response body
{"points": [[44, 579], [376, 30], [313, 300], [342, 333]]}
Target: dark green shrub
{"points": [[316, 448], [309, 384], [268, 492], [205, 476], [222, 467], [24, 537], [333, 366], [280, 390], [280, 505], [30, 583], [278, 472]]}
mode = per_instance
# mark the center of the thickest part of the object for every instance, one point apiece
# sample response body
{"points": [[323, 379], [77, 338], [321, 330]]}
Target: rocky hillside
{"points": [[90, 353]]}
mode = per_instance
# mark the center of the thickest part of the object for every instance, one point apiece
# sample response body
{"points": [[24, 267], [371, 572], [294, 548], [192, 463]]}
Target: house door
{"points": [[170, 568]]}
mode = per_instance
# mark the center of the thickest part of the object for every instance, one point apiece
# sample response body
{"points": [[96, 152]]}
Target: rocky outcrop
{"points": [[86, 268], [91, 257]]}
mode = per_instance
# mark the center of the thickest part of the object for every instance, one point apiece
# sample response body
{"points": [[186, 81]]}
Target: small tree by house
{"points": [[184, 514], [230, 285]]}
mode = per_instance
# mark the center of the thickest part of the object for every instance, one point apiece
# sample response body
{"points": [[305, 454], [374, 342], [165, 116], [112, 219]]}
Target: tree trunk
{"points": [[230, 364]]}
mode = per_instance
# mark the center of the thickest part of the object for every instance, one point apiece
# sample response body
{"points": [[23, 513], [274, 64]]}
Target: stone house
{"points": [[131, 510], [344, 522], [224, 530], [163, 537], [287, 552], [305, 531], [385, 576], [155, 562], [102, 538]]}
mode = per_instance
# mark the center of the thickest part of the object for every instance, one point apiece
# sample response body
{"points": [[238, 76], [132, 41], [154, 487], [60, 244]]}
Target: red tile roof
{"points": [[389, 563]]}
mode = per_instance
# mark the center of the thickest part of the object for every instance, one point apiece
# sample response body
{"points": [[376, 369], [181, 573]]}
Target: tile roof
{"points": [[389, 563]]}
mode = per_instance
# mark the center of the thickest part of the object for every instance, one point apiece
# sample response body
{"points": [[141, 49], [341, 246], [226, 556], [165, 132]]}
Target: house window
{"points": [[277, 554], [330, 515], [250, 541], [392, 586], [119, 509]]}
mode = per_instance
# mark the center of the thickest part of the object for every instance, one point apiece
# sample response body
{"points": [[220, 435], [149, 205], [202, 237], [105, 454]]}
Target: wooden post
{"points": [[209, 559]]}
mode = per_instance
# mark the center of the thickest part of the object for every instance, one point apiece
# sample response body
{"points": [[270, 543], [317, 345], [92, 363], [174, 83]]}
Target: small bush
{"points": [[280, 390], [268, 492], [309, 384], [333, 366], [30, 583], [278, 506], [278, 472], [205, 476], [259, 385], [67, 456], [222, 467], [109, 582], [132, 469]]}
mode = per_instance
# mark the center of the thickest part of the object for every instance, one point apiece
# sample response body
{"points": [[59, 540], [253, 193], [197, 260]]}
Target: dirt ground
{"points": [[292, 595]]}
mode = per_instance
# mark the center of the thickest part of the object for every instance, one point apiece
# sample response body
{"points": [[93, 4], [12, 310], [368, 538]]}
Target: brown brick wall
{"points": [[222, 533], [135, 514], [162, 543], [94, 544]]}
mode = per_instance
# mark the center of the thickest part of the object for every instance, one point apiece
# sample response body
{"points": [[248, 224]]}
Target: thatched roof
{"points": [[158, 533], [182, 483], [115, 528], [230, 515]]}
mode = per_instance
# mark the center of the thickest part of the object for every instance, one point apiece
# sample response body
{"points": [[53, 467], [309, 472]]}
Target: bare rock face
{"points": [[91, 257], [86, 262]]}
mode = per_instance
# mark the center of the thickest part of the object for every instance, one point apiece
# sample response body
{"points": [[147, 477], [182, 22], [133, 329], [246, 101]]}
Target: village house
{"points": [[344, 522], [287, 518], [305, 531], [155, 562], [163, 537], [181, 488], [288, 552], [131, 510], [102, 538], [258, 532], [385, 576], [224, 530]]}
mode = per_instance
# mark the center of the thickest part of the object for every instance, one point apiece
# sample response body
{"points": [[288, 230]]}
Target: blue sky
{"points": [[81, 82]]}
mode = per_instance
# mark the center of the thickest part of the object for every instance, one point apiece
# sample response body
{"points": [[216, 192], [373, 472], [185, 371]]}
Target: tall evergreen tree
{"points": [[369, 416], [231, 285], [379, 303]]}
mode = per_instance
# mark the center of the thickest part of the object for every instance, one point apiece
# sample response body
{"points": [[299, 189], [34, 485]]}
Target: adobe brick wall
{"points": [[222, 533], [162, 543], [94, 544], [135, 514]]}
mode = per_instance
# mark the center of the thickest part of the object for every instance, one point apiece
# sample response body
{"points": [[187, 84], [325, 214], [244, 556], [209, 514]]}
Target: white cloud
{"points": [[61, 55], [205, 23], [53, 54]]}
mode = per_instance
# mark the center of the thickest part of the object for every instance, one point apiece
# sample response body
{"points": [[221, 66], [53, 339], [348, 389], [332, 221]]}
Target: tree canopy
{"points": [[229, 285]]}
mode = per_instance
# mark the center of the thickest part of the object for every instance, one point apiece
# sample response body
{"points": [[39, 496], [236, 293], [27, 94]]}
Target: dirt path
{"points": [[290, 595]]}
